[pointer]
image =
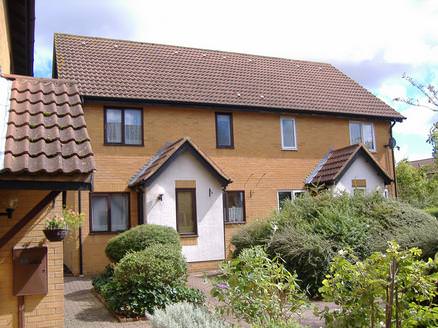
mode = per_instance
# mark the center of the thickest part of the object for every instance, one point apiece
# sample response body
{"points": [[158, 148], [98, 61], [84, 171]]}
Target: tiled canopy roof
{"points": [[331, 168], [46, 131], [166, 154], [153, 72]]}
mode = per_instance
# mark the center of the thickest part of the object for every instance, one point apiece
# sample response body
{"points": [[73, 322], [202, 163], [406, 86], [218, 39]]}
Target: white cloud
{"points": [[418, 122], [405, 152]]}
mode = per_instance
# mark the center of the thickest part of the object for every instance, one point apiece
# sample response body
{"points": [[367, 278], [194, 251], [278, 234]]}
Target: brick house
{"points": [[206, 141], [41, 157]]}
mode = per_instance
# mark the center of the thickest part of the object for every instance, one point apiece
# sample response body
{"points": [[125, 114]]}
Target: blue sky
{"points": [[374, 41]]}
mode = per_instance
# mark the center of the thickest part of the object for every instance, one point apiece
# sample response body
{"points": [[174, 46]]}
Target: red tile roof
{"points": [[153, 72], [331, 168], [167, 153], [46, 131]]}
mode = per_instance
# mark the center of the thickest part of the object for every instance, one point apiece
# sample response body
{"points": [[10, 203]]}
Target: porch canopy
{"points": [[44, 143], [169, 152], [333, 166]]}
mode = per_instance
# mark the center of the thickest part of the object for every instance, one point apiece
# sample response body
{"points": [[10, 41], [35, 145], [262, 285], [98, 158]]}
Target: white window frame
{"points": [[361, 134], [364, 189], [284, 118], [293, 193]]}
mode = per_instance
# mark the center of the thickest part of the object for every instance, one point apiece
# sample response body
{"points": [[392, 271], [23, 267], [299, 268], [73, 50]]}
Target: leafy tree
{"points": [[429, 100], [415, 187], [391, 289]]}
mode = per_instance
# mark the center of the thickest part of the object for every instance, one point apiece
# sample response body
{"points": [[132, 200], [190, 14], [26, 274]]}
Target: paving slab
{"points": [[83, 310]]}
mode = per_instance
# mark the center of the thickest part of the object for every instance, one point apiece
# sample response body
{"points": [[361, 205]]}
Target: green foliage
{"points": [[258, 289], [309, 231], [157, 264], [399, 279], [72, 218], [141, 298], [145, 280], [140, 237], [432, 211], [415, 187], [185, 315], [99, 282]]}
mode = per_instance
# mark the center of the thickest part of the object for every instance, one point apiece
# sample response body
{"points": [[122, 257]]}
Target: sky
{"points": [[373, 41]]}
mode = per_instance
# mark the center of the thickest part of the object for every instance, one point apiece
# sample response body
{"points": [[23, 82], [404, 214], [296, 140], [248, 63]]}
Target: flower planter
{"points": [[55, 234]]}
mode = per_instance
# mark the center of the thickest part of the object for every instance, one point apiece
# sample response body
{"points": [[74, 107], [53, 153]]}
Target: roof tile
{"points": [[46, 129], [154, 72]]}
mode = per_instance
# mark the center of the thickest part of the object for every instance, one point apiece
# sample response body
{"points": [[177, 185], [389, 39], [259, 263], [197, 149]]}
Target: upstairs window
{"points": [[288, 136], [123, 126], [363, 133], [224, 130], [234, 206]]}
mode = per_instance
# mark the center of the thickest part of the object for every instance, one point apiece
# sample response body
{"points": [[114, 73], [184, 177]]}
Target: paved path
{"points": [[84, 310], [308, 319]]}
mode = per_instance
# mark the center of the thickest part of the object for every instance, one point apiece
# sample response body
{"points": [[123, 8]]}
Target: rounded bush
{"points": [[155, 265], [140, 237]]}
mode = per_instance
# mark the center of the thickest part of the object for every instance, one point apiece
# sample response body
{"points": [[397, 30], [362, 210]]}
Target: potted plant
{"points": [[57, 227]]}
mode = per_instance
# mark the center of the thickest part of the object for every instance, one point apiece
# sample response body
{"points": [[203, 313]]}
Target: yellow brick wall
{"points": [[5, 50], [42, 310], [256, 164]]}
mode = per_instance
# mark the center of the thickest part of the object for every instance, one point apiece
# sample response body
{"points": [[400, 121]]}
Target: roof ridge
{"points": [[37, 79], [193, 48]]}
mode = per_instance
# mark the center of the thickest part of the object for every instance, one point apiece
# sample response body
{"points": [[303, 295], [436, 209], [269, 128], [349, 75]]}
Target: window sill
{"points": [[224, 147], [289, 149], [97, 233], [121, 145], [188, 236], [235, 223]]}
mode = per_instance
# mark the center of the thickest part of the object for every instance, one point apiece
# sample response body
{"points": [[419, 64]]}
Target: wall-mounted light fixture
{"points": [[160, 197], [210, 192], [10, 208]]}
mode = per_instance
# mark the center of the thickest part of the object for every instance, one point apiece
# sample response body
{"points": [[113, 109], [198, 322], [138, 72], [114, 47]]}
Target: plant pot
{"points": [[55, 234]]}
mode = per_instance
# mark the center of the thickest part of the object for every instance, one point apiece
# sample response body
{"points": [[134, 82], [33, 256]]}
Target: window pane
{"points": [[284, 196], [355, 133], [113, 126], [368, 136], [185, 214], [99, 213], [288, 133], [133, 127], [235, 206], [223, 122], [119, 212]]}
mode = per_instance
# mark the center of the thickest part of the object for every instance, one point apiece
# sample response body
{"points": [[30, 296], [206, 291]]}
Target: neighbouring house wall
{"points": [[41, 310], [5, 47], [209, 245], [360, 169], [256, 165]]}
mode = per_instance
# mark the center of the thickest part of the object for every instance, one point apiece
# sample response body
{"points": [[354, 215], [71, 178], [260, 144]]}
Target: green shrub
{"points": [[432, 211], [140, 237], [141, 298], [99, 282], [396, 278], [258, 289], [157, 264], [309, 231], [258, 233], [185, 315]]}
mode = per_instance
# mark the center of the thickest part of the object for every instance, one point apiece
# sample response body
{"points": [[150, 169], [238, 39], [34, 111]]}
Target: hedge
{"points": [[140, 237], [309, 231]]}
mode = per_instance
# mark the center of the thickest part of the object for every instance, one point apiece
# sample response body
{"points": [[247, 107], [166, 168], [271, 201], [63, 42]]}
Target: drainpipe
{"points": [[393, 161], [81, 266]]}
